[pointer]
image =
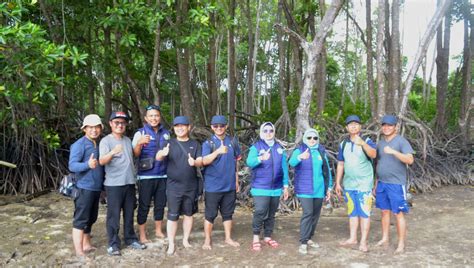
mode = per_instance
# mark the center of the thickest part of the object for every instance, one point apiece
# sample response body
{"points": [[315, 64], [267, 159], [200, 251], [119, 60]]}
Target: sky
{"points": [[414, 18]]}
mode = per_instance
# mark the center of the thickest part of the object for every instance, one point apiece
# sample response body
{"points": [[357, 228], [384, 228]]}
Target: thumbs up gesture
{"points": [[265, 156], [163, 152], [92, 162], [191, 161], [304, 155], [222, 149], [117, 149]]}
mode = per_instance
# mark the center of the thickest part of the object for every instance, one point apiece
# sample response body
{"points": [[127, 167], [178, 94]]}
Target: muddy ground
{"points": [[441, 233]]}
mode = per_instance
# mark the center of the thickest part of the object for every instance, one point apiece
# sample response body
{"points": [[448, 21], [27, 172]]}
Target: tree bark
{"points": [[321, 69], [421, 52], [211, 70], [231, 66], [370, 68], [465, 109], [155, 74], [442, 72], [91, 80], [395, 61], [107, 74], [379, 60]]}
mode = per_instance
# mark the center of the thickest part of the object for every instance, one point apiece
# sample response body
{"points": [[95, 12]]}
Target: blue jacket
{"points": [[304, 172], [269, 174], [158, 141], [87, 178]]}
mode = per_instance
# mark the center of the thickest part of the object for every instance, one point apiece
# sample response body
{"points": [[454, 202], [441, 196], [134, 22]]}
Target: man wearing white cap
{"points": [[90, 176]]}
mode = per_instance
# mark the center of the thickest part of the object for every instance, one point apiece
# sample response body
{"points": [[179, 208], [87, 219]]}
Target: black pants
{"points": [[264, 214], [120, 198], [148, 189], [86, 210], [310, 217], [220, 201]]}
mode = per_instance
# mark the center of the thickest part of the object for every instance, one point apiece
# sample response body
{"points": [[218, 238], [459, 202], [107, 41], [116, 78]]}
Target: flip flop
{"points": [[256, 246], [272, 243]]}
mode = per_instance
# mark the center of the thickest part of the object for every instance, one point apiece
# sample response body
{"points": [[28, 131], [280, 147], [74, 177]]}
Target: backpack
{"points": [[67, 186], [233, 143], [343, 146]]}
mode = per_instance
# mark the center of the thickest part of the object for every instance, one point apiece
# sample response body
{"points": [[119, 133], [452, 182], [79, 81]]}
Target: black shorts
{"points": [[86, 209], [223, 202], [180, 203]]}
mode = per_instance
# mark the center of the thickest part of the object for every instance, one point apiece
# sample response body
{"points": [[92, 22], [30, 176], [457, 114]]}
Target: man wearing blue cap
{"points": [[394, 153], [220, 155], [355, 163], [184, 156], [146, 142], [116, 154]]}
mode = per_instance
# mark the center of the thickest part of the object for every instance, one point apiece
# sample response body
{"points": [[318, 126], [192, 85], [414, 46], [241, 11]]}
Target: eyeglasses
{"points": [[312, 138], [219, 126], [118, 123], [268, 131], [153, 107]]}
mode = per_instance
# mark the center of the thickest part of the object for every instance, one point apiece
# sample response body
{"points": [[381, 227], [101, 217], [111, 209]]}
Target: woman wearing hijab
{"points": [[312, 183], [268, 161]]}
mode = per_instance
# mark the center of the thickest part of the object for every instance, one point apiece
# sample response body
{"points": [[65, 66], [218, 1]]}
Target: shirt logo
{"points": [[166, 136], [280, 151]]}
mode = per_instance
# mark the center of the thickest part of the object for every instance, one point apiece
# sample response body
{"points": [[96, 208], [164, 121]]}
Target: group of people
{"points": [[166, 172]]}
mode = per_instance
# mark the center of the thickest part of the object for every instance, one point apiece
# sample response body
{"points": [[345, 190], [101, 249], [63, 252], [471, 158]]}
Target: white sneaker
{"points": [[303, 249], [313, 244]]}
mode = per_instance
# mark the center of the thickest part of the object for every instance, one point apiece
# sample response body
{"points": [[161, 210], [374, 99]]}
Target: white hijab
{"points": [[262, 136]]}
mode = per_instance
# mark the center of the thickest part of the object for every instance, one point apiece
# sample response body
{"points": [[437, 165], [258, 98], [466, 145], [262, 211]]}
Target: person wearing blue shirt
{"points": [[220, 156], [146, 143], [268, 161], [90, 177], [313, 182]]}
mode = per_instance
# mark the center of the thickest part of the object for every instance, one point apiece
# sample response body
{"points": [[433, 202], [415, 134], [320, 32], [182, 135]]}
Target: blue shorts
{"points": [[391, 197], [359, 204]]}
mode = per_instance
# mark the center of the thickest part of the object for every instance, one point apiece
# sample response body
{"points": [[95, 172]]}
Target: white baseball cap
{"points": [[92, 120]]}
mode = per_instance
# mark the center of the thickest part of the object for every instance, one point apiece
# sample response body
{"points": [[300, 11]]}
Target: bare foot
{"points": [[363, 247], [207, 246], [186, 244], [348, 243], [399, 250], [89, 249], [83, 258], [382, 243], [144, 241], [171, 250], [232, 243], [160, 235]]}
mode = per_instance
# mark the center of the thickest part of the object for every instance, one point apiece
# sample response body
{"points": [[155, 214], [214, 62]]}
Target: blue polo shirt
{"points": [[219, 176], [87, 178]]}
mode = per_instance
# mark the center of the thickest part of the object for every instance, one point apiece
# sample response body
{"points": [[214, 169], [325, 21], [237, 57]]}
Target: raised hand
{"points": [[163, 152], [305, 155], [222, 149], [388, 150], [92, 162], [117, 149], [144, 139], [358, 141], [265, 156], [191, 161]]}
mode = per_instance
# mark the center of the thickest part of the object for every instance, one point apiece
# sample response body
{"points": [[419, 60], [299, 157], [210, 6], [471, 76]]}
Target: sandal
{"points": [[256, 246], [272, 243]]}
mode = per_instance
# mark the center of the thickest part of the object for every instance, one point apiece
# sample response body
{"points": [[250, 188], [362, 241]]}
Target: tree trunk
{"points": [[231, 66], [442, 72], [395, 66], [370, 68], [321, 69], [464, 111], [107, 74], [155, 74], [379, 60], [91, 80], [421, 52], [211, 70], [388, 71]]}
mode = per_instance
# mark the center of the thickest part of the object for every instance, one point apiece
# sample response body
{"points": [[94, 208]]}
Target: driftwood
{"points": [[7, 164]]}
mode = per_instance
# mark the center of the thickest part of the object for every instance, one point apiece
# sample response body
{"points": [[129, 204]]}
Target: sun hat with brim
{"points": [[218, 119], [389, 120], [352, 118], [116, 115], [92, 120], [180, 120]]}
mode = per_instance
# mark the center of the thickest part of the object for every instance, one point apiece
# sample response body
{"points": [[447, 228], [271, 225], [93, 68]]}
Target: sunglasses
{"points": [[118, 123], [153, 107], [219, 126], [312, 138], [268, 131]]}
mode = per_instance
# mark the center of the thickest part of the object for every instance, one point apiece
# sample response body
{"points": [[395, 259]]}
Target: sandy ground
{"points": [[441, 233]]}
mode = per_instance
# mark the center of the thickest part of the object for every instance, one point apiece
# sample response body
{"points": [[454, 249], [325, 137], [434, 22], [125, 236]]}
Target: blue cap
{"points": [[389, 119], [180, 120], [218, 119], [115, 115], [352, 118]]}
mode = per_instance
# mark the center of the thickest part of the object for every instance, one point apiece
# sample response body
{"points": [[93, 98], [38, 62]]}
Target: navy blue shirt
{"points": [[87, 178], [219, 176]]}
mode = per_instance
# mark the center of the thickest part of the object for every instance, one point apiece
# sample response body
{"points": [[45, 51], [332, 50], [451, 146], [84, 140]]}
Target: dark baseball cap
{"points": [[115, 115], [389, 119], [153, 107], [180, 120], [352, 118], [218, 119]]}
